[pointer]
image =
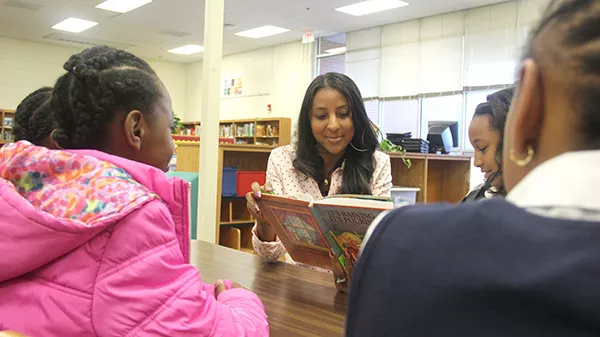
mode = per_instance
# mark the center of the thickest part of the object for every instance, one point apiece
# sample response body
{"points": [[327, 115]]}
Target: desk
{"points": [[299, 301]]}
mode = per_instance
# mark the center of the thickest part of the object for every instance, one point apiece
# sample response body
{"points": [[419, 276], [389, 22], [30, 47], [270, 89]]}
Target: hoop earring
{"points": [[525, 161], [359, 150], [53, 140]]}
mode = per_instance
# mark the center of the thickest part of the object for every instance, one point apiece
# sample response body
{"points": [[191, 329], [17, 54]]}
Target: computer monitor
{"points": [[442, 136]]}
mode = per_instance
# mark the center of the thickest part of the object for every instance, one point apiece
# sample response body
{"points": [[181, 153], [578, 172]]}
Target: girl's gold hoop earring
{"points": [[525, 161]]}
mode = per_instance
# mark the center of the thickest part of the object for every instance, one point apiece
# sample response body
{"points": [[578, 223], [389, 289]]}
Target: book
{"points": [[311, 230]]}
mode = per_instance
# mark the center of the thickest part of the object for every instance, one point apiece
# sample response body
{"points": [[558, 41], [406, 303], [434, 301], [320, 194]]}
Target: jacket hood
{"points": [[53, 201]]}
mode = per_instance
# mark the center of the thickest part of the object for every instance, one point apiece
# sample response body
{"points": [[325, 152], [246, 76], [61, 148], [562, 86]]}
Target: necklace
{"points": [[326, 182]]}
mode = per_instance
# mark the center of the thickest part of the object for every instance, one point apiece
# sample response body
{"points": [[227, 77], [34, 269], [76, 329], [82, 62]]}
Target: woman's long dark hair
{"points": [[496, 107], [359, 166]]}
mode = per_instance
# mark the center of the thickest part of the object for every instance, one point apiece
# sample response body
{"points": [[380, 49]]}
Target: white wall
{"points": [[26, 66], [276, 75], [173, 76]]}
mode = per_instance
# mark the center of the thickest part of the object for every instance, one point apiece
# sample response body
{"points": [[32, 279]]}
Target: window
{"points": [[372, 107], [401, 116], [442, 108], [336, 64], [331, 56], [333, 44], [491, 47]]}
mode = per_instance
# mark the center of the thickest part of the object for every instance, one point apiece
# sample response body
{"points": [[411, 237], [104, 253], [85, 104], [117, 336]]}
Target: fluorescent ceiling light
{"points": [[261, 32], [336, 50], [371, 6], [74, 25], [122, 6], [187, 50]]}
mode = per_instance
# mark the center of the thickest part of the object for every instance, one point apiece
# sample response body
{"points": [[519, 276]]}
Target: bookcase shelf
{"points": [[259, 131], [190, 129], [7, 118]]}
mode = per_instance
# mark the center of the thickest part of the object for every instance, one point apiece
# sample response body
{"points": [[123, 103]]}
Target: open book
{"points": [[310, 229]]}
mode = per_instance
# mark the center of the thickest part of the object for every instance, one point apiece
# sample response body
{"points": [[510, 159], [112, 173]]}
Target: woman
{"points": [[94, 239], [486, 134], [526, 265], [336, 153]]}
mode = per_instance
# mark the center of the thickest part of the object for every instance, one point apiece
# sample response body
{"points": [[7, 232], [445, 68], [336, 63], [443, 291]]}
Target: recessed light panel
{"points": [[261, 32], [371, 6], [187, 50], [74, 25], [122, 6]]}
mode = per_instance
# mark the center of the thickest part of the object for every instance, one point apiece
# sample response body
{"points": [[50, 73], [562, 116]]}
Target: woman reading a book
{"points": [[486, 134], [526, 265], [336, 153]]}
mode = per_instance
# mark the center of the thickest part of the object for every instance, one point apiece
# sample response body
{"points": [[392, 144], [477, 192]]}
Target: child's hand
{"points": [[340, 277], [220, 287]]}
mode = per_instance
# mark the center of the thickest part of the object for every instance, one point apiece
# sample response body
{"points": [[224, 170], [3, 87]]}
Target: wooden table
{"points": [[299, 301]]}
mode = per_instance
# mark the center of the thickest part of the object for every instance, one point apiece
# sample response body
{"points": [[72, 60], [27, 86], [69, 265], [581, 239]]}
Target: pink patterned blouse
{"points": [[286, 180]]}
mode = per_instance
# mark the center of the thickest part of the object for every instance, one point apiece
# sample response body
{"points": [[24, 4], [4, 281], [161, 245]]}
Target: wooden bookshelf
{"points": [[7, 118], [440, 178], [190, 129], [259, 131], [272, 132], [234, 222]]}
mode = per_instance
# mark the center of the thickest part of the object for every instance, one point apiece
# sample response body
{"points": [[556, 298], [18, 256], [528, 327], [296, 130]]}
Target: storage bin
{"points": [[246, 178], [229, 184], [403, 196]]}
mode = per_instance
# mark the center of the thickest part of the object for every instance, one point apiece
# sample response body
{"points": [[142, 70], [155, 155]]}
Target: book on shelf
{"points": [[246, 130], [312, 229], [225, 131]]}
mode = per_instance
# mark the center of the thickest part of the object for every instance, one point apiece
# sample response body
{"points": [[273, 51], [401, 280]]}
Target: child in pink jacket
{"points": [[94, 239]]}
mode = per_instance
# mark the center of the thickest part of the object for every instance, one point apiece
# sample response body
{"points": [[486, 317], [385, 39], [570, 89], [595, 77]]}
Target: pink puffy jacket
{"points": [[97, 245]]}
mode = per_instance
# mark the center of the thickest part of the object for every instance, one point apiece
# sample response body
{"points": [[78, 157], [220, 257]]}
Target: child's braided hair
{"points": [[101, 83], [34, 120], [568, 38]]}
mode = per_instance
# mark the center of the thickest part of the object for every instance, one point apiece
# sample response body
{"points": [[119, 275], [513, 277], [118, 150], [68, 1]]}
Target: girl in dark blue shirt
{"points": [[527, 265]]}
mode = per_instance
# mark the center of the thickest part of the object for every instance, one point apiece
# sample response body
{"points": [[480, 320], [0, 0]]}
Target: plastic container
{"points": [[246, 178], [229, 184], [403, 196]]}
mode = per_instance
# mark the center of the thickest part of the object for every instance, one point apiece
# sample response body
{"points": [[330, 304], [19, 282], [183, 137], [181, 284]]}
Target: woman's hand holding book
{"points": [[264, 230]]}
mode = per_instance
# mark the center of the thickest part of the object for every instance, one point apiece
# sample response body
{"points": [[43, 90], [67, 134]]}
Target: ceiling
{"points": [[151, 30]]}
